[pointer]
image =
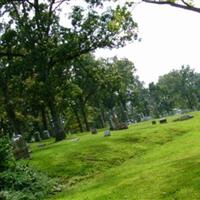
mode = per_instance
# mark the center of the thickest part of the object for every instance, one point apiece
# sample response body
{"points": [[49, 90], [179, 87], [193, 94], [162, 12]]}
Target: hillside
{"points": [[144, 162]]}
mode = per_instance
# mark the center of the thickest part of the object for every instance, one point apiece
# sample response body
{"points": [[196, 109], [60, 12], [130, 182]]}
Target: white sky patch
{"points": [[170, 39]]}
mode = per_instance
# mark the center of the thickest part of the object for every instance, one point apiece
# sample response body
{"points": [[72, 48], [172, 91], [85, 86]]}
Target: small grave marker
{"points": [[183, 117], [153, 122], [46, 134], [163, 121], [94, 131], [37, 136], [107, 133], [20, 147]]}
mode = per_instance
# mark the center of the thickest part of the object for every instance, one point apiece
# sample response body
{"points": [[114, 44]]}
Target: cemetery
{"points": [[98, 101], [119, 161]]}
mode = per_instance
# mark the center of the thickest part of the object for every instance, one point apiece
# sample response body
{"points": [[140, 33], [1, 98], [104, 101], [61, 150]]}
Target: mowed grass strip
{"points": [[144, 162]]}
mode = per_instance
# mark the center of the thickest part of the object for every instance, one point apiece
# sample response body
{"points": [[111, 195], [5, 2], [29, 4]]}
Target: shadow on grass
{"points": [[186, 182], [129, 139]]}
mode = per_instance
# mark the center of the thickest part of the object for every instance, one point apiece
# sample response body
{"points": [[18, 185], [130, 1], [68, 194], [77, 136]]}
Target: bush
{"points": [[24, 183], [15, 195], [5, 153], [19, 181]]}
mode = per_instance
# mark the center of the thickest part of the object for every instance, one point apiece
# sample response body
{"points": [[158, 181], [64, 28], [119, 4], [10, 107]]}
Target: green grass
{"points": [[145, 162]]}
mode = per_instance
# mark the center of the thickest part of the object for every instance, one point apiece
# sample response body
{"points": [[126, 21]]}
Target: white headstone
{"points": [[107, 133]]}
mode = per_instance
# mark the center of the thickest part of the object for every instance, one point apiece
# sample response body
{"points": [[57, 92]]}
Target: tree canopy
{"points": [[37, 47]]}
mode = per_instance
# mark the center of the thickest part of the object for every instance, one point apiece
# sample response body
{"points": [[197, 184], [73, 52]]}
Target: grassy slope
{"points": [[145, 162]]}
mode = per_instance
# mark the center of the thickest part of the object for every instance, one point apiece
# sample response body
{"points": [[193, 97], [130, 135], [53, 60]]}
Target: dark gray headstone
{"points": [[183, 117], [20, 147], [121, 126], [46, 134], [163, 120], [153, 122], [93, 130], [37, 136]]}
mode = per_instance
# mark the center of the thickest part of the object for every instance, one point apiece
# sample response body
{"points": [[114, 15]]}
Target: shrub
{"points": [[5, 153], [24, 183], [19, 181]]}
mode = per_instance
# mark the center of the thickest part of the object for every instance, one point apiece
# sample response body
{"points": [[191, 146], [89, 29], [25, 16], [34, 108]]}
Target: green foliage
{"points": [[24, 183], [38, 50], [18, 181], [181, 87], [5, 153]]}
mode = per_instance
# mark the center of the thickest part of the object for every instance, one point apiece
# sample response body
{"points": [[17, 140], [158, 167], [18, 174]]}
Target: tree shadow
{"points": [[186, 179]]}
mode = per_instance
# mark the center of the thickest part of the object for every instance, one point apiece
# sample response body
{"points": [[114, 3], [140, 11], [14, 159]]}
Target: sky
{"points": [[170, 39]]}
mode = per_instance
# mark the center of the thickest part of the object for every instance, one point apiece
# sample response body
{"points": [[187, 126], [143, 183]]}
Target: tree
{"points": [[44, 46], [183, 4], [118, 80], [181, 88], [86, 77], [139, 100], [8, 72]]}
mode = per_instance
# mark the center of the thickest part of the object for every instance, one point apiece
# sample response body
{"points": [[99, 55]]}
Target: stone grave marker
{"points": [[107, 133], [183, 117], [153, 122], [20, 147], [163, 121], [93, 130], [46, 134], [121, 126], [37, 136]]}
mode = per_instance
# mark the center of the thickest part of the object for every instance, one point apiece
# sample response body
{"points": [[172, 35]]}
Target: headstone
{"points": [[153, 122], [177, 111], [37, 136], [146, 118], [183, 117], [20, 148], [41, 145], [163, 120], [93, 130], [32, 139], [46, 134], [129, 122], [121, 126], [107, 133], [75, 139]]}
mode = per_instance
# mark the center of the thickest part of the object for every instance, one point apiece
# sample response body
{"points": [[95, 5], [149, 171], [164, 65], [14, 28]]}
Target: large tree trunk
{"points": [[44, 118], [57, 125], [49, 119], [102, 117], [124, 110], [51, 102], [85, 119], [113, 120], [78, 120], [9, 108], [82, 107]]}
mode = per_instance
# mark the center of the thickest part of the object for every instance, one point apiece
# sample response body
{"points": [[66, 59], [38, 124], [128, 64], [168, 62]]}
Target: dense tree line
{"points": [[89, 93], [49, 79], [179, 89], [41, 58]]}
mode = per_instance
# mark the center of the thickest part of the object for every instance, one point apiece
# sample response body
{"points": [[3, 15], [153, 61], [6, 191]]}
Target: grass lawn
{"points": [[145, 162]]}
